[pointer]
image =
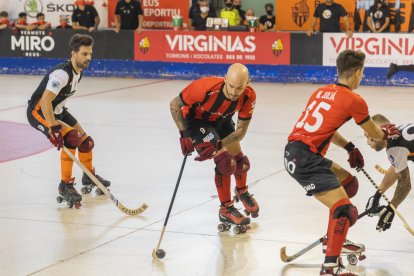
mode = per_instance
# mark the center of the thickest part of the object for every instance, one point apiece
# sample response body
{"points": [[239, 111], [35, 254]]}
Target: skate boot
{"points": [[336, 269], [88, 184], [228, 215], [353, 251], [392, 69], [250, 204], [69, 194]]}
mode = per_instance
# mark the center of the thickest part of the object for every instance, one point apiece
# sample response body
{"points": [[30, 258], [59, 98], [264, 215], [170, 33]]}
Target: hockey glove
{"points": [[390, 131], [386, 214], [356, 160], [207, 150], [186, 143], [373, 204], [55, 136]]}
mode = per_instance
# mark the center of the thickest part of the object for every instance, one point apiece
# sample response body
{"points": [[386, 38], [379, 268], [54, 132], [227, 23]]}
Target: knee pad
{"points": [[72, 139], [348, 211], [87, 145], [243, 165], [225, 164], [350, 185]]}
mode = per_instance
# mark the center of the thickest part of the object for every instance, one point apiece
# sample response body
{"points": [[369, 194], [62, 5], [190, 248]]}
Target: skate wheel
{"points": [[59, 199], [84, 190], [98, 192], [362, 257], [70, 204], [221, 227], [352, 259], [237, 230], [78, 205]]}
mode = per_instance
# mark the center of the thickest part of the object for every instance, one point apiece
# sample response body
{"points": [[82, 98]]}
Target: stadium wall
{"points": [[271, 57]]}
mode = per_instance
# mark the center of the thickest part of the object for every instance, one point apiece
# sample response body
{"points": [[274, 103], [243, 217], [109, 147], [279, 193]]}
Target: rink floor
{"points": [[137, 148]]}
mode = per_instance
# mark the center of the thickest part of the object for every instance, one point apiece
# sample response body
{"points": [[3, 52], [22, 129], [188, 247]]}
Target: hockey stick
{"points": [[406, 225], [380, 169], [286, 258], [125, 210], [157, 252]]}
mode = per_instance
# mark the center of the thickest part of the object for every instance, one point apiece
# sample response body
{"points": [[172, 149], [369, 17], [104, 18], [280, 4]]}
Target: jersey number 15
{"points": [[315, 114]]}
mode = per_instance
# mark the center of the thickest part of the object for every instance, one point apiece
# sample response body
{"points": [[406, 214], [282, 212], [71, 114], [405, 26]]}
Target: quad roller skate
{"points": [[250, 204], [229, 215], [336, 268], [69, 194], [88, 184], [354, 252]]}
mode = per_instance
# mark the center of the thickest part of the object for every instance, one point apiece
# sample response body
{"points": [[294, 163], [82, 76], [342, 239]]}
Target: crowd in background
{"points": [[129, 16]]}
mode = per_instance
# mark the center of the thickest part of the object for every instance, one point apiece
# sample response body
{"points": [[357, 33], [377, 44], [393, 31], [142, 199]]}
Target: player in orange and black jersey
{"points": [[47, 113], [327, 110], [203, 114]]}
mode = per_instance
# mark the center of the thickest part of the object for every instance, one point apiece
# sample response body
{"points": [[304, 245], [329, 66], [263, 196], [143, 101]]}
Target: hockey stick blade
{"points": [[119, 205], [285, 258], [380, 169]]}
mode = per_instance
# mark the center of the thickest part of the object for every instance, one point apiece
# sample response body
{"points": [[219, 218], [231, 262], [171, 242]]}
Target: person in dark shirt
{"points": [[379, 17], [195, 9], [330, 15], [128, 16], [63, 23], [237, 5], [267, 22], [85, 17], [200, 19]]}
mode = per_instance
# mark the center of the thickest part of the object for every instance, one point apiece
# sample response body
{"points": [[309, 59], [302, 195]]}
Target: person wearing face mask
{"points": [[249, 14], [237, 5], [267, 22], [379, 17], [200, 19], [4, 20], [195, 9], [63, 23], [40, 24], [330, 14], [21, 23], [231, 13]]}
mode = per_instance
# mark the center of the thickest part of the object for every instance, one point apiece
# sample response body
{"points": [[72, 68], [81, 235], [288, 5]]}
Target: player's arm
{"points": [[403, 187], [238, 134], [339, 140], [140, 23], [175, 107], [311, 31], [372, 130], [347, 26], [387, 22], [47, 107]]}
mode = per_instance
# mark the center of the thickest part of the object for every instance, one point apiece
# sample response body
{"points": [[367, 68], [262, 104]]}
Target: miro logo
{"points": [[32, 43], [33, 7]]}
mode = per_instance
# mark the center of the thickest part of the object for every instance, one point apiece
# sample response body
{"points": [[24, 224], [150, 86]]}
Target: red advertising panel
{"points": [[213, 47], [157, 13]]}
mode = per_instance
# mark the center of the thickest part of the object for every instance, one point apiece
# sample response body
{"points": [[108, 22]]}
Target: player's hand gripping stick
{"points": [[356, 160], [56, 137]]}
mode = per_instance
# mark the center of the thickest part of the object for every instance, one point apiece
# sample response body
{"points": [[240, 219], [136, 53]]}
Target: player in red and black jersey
{"points": [[327, 110], [203, 114]]}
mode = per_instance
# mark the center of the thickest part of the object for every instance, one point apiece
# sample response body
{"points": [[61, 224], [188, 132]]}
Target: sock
{"points": [[86, 159], [223, 187], [66, 165], [337, 230], [241, 178]]}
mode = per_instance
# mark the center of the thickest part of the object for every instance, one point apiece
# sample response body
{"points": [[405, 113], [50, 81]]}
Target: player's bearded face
{"points": [[83, 57], [233, 90]]}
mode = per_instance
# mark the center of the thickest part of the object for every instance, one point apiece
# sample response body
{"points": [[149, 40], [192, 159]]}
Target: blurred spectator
{"points": [[330, 14], [249, 14], [237, 4], [85, 17], [231, 13], [129, 13], [379, 17], [267, 22], [195, 9], [41, 24], [4, 20], [200, 19], [63, 23], [21, 23]]}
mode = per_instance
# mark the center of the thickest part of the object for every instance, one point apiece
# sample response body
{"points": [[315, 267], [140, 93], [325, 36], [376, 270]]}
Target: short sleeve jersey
{"points": [[128, 13], [85, 17], [330, 17], [269, 22], [327, 110], [204, 99], [400, 150], [378, 16]]}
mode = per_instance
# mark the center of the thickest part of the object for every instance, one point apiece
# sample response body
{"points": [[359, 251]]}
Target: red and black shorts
{"points": [[311, 170], [37, 120]]}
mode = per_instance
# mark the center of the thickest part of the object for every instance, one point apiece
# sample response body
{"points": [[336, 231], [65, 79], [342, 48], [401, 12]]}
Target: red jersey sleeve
{"points": [[359, 110], [197, 90], [249, 102]]}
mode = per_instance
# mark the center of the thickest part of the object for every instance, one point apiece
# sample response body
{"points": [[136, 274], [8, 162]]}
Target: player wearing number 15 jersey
{"points": [[327, 110]]}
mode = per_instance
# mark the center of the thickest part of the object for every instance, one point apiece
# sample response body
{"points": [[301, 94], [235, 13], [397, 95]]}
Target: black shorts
{"points": [[311, 170], [37, 120], [204, 131]]}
